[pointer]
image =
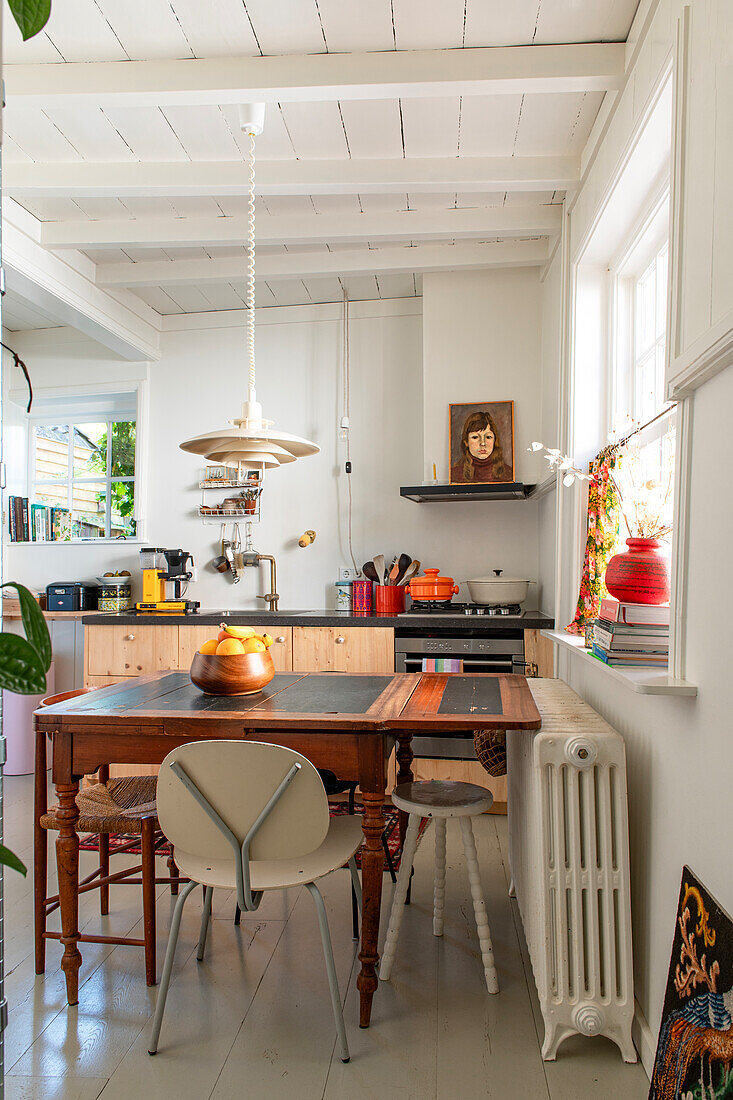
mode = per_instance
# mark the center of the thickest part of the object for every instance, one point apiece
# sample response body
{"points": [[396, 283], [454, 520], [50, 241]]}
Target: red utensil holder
{"points": [[389, 599]]}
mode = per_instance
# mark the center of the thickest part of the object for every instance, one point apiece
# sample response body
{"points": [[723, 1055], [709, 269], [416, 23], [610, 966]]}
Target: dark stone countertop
{"points": [[526, 620]]}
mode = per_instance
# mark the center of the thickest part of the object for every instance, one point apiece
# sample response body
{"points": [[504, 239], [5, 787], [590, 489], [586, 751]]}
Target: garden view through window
{"points": [[83, 475]]}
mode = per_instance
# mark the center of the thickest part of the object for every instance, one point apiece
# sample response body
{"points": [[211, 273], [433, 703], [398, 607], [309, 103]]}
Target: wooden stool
{"points": [[440, 799]]}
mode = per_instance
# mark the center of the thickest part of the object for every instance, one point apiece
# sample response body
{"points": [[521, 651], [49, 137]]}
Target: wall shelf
{"points": [[424, 494]]}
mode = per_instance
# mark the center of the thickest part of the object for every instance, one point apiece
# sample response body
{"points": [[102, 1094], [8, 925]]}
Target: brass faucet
{"points": [[272, 596]]}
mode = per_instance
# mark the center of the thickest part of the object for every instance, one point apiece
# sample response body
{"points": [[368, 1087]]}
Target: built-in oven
{"points": [[482, 651]]}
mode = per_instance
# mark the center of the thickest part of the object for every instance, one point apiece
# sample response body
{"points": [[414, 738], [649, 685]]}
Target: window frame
{"points": [[76, 405], [72, 423]]}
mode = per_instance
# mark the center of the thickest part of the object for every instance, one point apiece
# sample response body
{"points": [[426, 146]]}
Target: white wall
{"points": [[199, 382], [481, 342], [678, 748]]}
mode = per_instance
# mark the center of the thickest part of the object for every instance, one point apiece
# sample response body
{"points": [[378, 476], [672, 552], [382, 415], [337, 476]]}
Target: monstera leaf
{"points": [[30, 15]]}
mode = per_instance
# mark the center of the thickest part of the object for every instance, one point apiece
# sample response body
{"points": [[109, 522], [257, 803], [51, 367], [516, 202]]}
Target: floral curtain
{"points": [[603, 526]]}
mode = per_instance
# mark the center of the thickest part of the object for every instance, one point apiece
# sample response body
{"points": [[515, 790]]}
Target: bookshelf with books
{"points": [[37, 522]]}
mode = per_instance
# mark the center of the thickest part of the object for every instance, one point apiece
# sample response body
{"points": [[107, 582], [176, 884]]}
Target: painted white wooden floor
{"points": [[255, 1020]]}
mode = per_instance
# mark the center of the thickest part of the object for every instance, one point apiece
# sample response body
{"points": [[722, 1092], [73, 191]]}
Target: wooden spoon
{"points": [[379, 566], [410, 572], [402, 563], [394, 573], [370, 572]]}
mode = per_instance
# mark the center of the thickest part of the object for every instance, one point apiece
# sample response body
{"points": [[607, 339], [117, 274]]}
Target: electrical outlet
{"points": [[346, 574]]}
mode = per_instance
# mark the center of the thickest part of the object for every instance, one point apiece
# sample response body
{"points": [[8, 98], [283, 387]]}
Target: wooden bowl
{"points": [[237, 674]]}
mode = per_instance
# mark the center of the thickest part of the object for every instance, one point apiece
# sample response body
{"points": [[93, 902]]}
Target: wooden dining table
{"points": [[346, 723]]}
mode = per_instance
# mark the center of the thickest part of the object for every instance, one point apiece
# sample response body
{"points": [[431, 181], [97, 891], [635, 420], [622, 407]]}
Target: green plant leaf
{"points": [[11, 860], [34, 624], [21, 667], [30, 15]]}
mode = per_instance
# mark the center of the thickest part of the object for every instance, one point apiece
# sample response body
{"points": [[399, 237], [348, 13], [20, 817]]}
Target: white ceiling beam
{"points": [[66, 295], [304, 265], [306, 78], [290, 177], [405, 225]]}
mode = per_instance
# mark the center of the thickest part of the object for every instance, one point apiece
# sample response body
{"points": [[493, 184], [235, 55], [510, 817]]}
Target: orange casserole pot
{"points": [[432, 587]]}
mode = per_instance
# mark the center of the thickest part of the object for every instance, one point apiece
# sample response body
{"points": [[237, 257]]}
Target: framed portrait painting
{"points": [[481, 442]]}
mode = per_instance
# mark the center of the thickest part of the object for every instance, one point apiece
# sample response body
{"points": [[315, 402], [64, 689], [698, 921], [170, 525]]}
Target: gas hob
{"points": [[435, 608]]}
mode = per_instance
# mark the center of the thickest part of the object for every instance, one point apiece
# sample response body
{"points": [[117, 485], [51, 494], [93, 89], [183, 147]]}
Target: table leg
{"points": [[372, 870], [67, 857]]}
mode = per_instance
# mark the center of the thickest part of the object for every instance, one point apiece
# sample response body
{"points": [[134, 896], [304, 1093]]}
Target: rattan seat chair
{"points": [[124, 806]]}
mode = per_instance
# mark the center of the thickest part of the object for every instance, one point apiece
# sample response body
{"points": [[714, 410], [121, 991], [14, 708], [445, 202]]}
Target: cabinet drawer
{"points": [[343, 649], [191, 637], [130, 650]]}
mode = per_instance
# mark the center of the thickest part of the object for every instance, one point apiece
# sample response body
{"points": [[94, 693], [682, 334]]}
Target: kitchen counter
{"points": [[526, 620]]}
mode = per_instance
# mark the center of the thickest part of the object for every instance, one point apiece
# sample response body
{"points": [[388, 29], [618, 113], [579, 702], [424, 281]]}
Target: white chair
{"points": [[252, 817], [440, 799]]}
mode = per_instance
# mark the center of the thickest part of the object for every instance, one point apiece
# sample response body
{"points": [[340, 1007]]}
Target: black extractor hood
{"points": [[424, 494]]}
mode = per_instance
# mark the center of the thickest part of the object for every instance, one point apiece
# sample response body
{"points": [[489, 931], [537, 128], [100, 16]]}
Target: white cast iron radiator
{"points": [[569, 860]]}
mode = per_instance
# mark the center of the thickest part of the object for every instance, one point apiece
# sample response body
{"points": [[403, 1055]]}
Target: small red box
{"points": [[362, 595]]}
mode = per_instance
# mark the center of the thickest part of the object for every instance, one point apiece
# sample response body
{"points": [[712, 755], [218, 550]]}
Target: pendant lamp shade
{"points": [[251, 439]]}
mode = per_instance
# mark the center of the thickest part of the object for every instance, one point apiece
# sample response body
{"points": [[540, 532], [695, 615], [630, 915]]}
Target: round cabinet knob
{"points": [[281, 639], [340, 639], [129, 637]]}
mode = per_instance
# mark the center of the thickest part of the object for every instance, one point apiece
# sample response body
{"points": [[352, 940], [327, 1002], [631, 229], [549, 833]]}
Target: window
{"points": [[82, 478], [646, 475]]}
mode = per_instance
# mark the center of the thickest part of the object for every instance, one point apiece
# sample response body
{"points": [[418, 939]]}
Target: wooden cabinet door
{"points": [[191, 637], [343, 649], [539, 654], [116, 651]]}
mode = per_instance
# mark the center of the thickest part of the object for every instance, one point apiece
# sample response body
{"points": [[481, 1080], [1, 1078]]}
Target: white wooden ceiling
{"points": [[153, 179]]}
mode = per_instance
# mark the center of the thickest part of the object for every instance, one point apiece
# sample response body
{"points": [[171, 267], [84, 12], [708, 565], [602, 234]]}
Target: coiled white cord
{"points": [[251, 266]]}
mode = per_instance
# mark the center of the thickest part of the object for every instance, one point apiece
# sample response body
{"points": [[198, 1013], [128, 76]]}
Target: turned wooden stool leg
{"points": [[398, 902], [479, 908], [104, 872], [67, 862], [148, 877], [439, 877]]}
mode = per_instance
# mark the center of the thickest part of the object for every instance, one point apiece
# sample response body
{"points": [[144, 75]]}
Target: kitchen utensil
{"points": [[412, 569], [220, 563], [497, 590], [235, 674], [228, 552], [370, 572], [432, 587], [393, 573], [389, 599], [379, 566], [402, 563]]}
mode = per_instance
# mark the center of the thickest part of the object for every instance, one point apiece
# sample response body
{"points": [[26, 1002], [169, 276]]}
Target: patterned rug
{"points": [[90, 841]]}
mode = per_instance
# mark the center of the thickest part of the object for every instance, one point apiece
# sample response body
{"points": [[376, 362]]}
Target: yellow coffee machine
{"points": [[160, 568]]}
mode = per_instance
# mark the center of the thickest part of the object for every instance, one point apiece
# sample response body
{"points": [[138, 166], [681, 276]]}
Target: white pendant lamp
{"points": [[252, 440]]}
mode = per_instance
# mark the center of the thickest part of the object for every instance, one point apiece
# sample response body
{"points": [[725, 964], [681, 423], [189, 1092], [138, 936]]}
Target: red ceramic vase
{"points": [[640, 574]]}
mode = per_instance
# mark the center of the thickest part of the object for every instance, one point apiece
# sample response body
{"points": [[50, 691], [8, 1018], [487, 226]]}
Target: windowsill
{"points": [[645, 681], [81, 542]]}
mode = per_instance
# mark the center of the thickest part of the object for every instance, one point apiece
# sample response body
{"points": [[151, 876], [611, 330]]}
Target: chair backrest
{"points": [[238, 778]]}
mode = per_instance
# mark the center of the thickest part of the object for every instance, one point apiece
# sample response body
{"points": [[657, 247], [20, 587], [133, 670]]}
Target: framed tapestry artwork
{"points": [[481, 442], [695, 1046]]}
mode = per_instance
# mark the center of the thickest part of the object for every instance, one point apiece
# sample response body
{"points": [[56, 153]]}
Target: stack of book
{"points": [[632, 635], [36, 522]]}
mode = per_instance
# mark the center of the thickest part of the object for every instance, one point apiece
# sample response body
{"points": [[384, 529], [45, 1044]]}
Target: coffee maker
{"points": [[162, 568]]}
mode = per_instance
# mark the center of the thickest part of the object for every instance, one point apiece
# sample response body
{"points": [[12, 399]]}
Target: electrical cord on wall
{"points": [[346, 426], [19, 363]]}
